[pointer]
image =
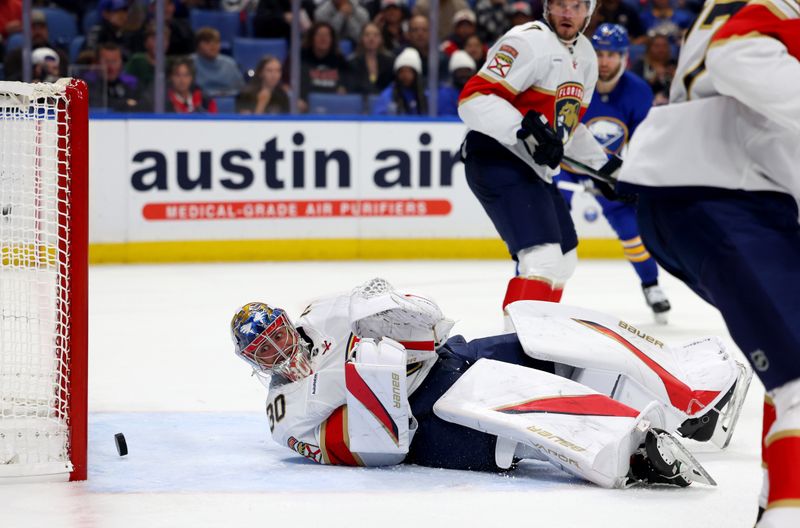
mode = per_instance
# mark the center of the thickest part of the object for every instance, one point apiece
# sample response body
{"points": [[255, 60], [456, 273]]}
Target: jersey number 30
{"points": [[276, 410]]}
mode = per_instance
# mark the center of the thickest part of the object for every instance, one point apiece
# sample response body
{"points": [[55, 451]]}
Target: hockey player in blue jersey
{"points": [[620, 102]]}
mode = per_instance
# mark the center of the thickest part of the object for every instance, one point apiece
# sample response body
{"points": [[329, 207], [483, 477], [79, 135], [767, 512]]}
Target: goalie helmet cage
{"points": [[43, 280]]}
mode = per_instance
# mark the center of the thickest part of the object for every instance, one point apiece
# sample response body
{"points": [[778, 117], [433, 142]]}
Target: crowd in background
{"points": [[377, 51]]}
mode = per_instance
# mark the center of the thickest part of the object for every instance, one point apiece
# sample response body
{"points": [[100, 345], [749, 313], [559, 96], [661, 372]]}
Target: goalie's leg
{"points": [[543, 416]]}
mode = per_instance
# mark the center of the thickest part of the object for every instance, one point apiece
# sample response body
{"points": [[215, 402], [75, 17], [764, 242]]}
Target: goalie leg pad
{"points": [[689, 381], [575, 428]]}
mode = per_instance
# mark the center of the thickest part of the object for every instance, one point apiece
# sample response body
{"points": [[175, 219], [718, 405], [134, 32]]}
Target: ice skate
{"points": [[718, 425], [663, 460], [658, 302]]}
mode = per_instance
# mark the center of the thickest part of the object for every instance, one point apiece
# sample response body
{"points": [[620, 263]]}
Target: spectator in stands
{"points": [[476, 49], [142, 65], [45, 63], [181, 36], [346, 17], [662, 18], [657, 66], [10, 17], [112, 27], [492, 16], [216, 74], [40, 38], [370, 69], [618, 12], [183, 97], [464, 25], [447, 10], [461, 67], [322, 67], [273, 18], [419, 38], [405, 95], [264, 93], [114, 89], [391, 21], [522, 13]]}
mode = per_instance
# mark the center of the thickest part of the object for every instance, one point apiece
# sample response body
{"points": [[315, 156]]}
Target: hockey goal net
{"points": [[43, 279]]}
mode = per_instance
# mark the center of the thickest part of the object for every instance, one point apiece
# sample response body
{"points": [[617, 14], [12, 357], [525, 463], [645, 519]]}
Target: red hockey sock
{"points": [[768, 420], [555, 296], [521, 289], [783, 456]]}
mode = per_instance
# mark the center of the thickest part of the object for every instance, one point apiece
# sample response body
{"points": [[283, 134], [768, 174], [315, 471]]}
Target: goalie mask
{"points": [[267, 340]]}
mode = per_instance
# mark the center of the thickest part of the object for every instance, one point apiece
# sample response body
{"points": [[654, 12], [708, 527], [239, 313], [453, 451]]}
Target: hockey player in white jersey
{"points": [[718, 177], [523, 109], [370, 378]]}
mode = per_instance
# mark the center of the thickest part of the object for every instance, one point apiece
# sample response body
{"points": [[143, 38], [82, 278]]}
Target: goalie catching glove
{"points": [[377, 310], [540, 140]]}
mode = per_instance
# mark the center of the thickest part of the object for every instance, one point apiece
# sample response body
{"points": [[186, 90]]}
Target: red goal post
{"points": [[44, 209]]}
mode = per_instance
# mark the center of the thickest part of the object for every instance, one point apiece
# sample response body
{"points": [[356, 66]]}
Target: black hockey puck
{"points": [[122, 445]]}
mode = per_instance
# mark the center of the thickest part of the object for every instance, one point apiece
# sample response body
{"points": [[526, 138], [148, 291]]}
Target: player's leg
{"points": [[441, 444], [744, 261], [538, 415], [522, 209], [569, 244], [622, 218]]}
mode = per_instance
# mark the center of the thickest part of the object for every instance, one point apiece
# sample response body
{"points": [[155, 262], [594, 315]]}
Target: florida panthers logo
{"points": [[611, 133], [569, 97]]}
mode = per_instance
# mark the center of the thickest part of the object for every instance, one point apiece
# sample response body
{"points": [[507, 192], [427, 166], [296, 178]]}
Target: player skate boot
{"points": [[657, 302], [663, 460]]}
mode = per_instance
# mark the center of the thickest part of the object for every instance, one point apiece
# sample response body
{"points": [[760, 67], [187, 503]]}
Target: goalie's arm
{"points": [[375, 427]]}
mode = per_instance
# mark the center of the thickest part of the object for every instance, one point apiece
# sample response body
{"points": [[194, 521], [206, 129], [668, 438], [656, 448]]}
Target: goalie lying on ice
{"points": [[371, 378]]}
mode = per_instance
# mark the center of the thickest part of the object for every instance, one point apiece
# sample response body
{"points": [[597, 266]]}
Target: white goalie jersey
{"points": [[353, 409]]}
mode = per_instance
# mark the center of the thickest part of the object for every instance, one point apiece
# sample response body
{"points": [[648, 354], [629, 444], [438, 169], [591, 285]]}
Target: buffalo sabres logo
{"points": [[568, 108], [611, 133]]}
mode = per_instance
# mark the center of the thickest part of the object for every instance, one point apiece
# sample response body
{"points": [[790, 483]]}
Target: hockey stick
{"points": [[600, 174], [577, 188]]}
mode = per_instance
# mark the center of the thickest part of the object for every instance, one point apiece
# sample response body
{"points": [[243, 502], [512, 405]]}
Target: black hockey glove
{"points": [[540, 140], [607, 187]]}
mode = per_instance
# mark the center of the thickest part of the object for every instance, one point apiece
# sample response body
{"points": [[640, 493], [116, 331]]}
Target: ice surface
{"points": [[163, 373]]}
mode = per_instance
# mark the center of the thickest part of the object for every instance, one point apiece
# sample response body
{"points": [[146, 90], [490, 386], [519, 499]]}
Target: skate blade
{"points": [[730, 415], [691, 469]]}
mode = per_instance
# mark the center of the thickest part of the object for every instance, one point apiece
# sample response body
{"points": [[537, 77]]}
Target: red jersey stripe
{"points": [[756, 18], [581, 404], [680, 395]]}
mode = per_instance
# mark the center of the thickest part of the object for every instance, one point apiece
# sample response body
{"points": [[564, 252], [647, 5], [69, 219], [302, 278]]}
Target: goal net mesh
{"points": [[34, 280]]}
